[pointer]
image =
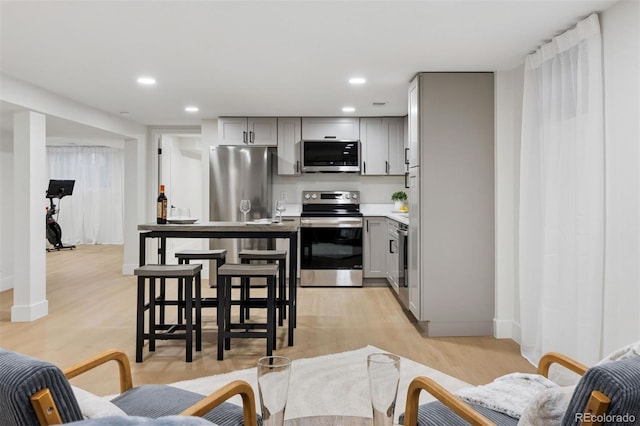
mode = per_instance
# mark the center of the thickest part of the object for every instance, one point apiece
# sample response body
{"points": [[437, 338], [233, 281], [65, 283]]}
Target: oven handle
{"points": [[330, 222]]}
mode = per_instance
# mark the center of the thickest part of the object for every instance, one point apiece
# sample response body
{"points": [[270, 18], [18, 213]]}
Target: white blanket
{"points": [[510, 394]]}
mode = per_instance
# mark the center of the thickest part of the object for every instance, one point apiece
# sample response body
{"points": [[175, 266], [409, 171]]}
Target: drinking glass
{"points": [[280, 207], [273, 388], [384, 376], [245, 207]]}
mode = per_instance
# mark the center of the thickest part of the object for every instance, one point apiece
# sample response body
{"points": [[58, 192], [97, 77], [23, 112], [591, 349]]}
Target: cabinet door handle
{"points": [[252, 137], [386, 167], [364, 167], [390, 246], [244, 137], [367, 223], [406, 156], [406, 180], [298, 166]]}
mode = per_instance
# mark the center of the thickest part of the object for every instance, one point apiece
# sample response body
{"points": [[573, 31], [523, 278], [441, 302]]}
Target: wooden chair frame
{"points": [[48, 414], [597, 405]]}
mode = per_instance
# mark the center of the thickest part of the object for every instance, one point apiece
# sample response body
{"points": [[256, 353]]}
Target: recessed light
{"points": [[147, 81], [357, 80], [348, 109], [192, 109]]}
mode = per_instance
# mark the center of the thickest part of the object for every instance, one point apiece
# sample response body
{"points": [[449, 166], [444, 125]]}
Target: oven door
{"points": [[331, 252]]}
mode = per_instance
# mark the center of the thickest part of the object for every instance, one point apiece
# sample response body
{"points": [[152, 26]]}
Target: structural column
{"points": [[30, 184]]}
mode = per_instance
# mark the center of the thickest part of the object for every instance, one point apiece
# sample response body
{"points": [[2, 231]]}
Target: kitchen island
{"points": [[283, 230]]}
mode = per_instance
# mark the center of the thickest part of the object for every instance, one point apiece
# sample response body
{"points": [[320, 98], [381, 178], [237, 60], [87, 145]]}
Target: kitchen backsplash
{"points": [[373, 189]]}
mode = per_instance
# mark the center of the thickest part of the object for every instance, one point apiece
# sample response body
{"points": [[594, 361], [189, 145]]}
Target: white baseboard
{"points": [[128, 268], [24, 313], [506, 329]]}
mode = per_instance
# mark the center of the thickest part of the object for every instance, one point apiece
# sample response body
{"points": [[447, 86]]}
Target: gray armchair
{"points": [[36, 392], [609, 392]]}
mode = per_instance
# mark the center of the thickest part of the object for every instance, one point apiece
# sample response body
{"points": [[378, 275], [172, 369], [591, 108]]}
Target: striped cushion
{"points": [[438, 414], [619, 380], [22, 376], [161, 400], [132, 420]]}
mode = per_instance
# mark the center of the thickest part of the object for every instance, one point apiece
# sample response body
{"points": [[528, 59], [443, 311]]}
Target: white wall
{"points": [[509, 88], [373, 189], [621, 48], [6, 214]]}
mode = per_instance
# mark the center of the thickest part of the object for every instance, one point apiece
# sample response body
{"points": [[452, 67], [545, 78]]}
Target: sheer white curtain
{"points": [[562, 196], [94, 213]]}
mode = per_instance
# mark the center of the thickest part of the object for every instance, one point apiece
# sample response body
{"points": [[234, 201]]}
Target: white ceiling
{"points": [[264, 58]]}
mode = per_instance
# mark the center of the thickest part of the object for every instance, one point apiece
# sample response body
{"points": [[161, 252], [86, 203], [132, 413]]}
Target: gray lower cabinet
{"points": [[393, 254], [375, 247]]}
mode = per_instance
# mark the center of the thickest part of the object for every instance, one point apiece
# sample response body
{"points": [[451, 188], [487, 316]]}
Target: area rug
{"points": [[335, 384]]}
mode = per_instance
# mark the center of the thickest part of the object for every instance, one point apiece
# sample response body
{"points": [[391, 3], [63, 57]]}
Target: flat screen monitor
{"points": [[59, 188]]}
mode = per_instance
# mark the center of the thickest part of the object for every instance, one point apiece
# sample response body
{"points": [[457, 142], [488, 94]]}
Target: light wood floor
{"points": [[92, 308]]}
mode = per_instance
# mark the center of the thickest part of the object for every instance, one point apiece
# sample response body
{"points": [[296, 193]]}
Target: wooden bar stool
{"points": [[279, 256], [166, 331], [227, 329], [184, 256]]}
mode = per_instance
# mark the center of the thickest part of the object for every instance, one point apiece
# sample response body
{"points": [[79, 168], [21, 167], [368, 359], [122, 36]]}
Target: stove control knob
{"points": [[314, 196], [307, 196], [347, 195], [354, 196]]}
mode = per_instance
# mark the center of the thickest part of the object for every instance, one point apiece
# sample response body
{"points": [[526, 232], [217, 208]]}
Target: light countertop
{"points": [[370, 210]]}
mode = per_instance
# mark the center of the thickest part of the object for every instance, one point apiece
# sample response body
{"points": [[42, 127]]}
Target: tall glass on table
{"points": [[245, 207], [384, 377], [280, 207], [273, 388]]}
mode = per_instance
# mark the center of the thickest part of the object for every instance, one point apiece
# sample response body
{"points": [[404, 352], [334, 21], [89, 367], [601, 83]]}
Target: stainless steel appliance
{"points": [[331, 239], [237, 173], [403, 264], [330, 155]]}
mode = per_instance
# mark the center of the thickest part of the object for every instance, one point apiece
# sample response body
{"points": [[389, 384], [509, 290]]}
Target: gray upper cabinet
{"points": [[382, 145], [248, 131], [330, 128], [413, 119], [289, 135]]}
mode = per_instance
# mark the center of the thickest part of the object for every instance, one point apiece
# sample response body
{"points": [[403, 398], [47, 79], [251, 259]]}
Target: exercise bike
{"points": [[57, 189]]}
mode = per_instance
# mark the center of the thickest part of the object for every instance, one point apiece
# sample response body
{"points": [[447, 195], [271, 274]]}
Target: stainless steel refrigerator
{"points": [[237, 173]]}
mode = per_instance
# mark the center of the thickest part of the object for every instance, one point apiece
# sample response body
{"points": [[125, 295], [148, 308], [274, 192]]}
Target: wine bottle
{"points": [[161, 215]]}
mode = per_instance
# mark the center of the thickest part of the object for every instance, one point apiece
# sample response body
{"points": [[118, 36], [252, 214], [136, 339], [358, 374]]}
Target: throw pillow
{"points": [[93, 406], [548, 407], [625, 352]]}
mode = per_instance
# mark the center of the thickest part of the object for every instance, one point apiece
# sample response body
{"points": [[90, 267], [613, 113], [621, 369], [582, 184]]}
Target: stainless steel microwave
{"points": [[330, 156]]}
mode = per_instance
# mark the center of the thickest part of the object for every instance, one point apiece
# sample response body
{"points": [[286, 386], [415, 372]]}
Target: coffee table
{"points": [[329, 421]]}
